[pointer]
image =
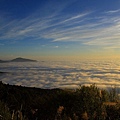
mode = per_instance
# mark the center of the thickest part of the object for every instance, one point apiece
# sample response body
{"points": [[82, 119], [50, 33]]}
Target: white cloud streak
{"points": [[113, 11]]}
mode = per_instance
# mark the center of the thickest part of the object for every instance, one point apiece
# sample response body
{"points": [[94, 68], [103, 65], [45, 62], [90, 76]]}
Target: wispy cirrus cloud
{"points": [[113, 11], [102, 30], [37, 26]]}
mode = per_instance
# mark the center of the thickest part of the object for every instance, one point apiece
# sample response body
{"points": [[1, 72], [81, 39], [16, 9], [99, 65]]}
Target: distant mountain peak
{"points": [[19, 59]]}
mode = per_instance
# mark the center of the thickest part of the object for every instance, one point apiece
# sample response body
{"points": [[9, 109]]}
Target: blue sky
{"points": [[59, 28]]}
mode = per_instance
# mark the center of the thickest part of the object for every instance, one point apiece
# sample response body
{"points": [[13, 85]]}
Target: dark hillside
{"points": [[85, 103]]}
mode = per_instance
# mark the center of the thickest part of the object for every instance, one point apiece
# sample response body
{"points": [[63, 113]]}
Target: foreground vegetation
{"points": [[85, 103]]}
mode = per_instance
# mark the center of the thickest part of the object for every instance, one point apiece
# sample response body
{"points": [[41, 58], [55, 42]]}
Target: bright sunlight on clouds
{"points": [[62, 74]]}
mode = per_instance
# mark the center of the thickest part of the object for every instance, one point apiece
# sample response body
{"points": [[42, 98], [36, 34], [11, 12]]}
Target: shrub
{"points": [[4, 111]]}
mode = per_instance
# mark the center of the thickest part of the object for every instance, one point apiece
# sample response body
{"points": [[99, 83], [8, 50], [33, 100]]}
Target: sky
{"points": [[59, 29]]}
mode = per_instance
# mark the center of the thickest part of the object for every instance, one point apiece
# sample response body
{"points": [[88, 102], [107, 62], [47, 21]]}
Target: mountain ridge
{"points": [[19, 59]]}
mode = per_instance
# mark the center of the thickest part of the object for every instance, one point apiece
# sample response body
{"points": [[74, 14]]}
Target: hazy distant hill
{"points": [[22, 60], [18, 60], [1, 61]]}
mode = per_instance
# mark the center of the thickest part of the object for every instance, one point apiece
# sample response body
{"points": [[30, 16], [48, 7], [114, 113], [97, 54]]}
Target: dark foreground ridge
{"points": [[18, 60], [84, 103]]}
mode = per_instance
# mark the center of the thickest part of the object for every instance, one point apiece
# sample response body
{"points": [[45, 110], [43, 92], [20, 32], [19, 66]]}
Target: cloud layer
{"points": [[62, 74]]}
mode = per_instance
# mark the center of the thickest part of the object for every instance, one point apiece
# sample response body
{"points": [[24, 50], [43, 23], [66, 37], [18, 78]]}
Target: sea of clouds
{"points": [[61, 74]]}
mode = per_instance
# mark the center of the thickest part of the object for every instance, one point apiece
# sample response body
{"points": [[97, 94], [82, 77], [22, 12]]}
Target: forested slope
{"points": [[24, 103]]}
